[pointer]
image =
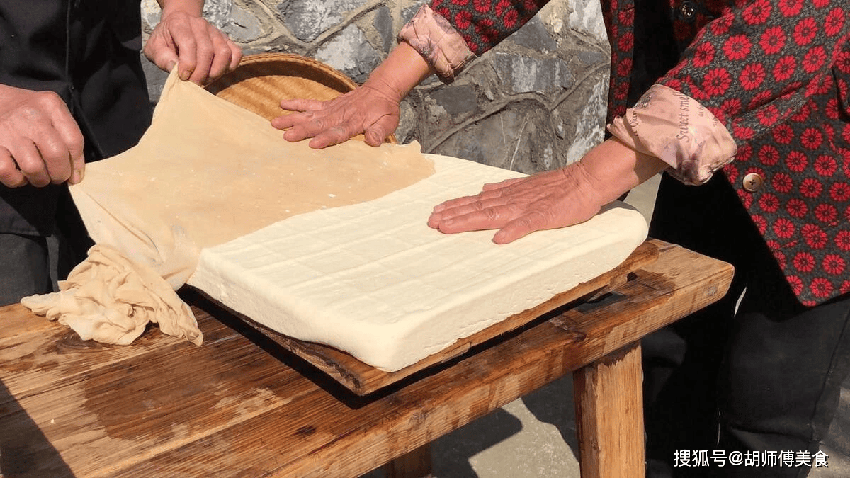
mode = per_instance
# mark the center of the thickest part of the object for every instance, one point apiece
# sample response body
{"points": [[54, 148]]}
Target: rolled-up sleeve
{"points": [[437, 41], [677, 129], [763, 64]]}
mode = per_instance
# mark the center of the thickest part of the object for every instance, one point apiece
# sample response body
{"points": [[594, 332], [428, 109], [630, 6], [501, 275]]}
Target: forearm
{"points": [[612, 169], [551, 199], [191, 7], [400, 72]]}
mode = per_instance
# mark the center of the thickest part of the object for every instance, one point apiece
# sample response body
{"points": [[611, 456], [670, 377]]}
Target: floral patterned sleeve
{"points": [[437, 41], [448, 33], [767, 66], [485, 23], [763, 69], [675, 128]]}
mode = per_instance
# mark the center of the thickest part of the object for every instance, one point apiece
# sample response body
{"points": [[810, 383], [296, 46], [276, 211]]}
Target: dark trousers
{"points": [[32, 264], [756, 371], [24, 267]]}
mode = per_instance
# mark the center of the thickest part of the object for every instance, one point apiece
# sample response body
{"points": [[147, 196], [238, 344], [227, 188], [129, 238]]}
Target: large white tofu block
{"points": [[373, 280]]}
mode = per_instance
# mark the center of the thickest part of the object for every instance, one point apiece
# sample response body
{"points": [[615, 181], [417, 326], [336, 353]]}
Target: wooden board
{"points": [[263, 79], [364, 379], [241, 406], [609, 415], [257, 85]]}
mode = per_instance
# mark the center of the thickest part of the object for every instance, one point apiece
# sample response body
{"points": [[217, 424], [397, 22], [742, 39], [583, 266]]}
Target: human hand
{"points": [[365, 110], [40, 143], [549, 200], [372, 109], [518, 207], [201, 51]]}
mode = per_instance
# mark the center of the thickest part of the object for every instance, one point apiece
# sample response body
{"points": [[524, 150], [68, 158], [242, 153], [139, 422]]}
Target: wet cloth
{"points": [[206, 172]]}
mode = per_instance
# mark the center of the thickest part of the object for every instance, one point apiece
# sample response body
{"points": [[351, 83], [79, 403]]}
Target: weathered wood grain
{"points": [[364, 379], [258, 84], [416, 464], [241, 405], [609, 416]]}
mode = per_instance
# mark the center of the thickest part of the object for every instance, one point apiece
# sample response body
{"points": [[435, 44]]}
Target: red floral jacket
{"points": [[776, 74]]}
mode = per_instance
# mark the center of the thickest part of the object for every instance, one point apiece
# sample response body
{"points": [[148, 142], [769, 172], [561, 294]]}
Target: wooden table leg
{"points": [[609, 416], [416, 464]]}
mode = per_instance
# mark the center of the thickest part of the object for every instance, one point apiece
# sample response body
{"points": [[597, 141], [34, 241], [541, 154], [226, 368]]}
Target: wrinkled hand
{"points": [[202, 51], [518, 207], [40, 143], [364, 110]]}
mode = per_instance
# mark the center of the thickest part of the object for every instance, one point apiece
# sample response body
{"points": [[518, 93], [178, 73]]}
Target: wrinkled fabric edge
{"points": [[677, 129], [437, 41], [135, 296]]}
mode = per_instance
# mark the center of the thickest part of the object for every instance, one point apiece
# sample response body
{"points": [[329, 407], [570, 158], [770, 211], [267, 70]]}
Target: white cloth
{"points": [[206, 172], [111, 299]]}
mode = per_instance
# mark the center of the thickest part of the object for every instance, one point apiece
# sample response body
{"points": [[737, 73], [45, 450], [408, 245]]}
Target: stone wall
{"points": [[535, 102]]}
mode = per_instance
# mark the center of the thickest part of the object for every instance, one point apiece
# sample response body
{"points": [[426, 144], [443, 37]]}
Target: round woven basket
{"points": [[262, 80]]}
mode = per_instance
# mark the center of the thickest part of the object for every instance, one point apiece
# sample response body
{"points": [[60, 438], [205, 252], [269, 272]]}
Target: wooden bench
{"points": [[243, 405]]}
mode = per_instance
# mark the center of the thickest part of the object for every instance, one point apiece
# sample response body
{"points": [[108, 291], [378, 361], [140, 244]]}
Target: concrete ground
{"points": [[535, 436]]}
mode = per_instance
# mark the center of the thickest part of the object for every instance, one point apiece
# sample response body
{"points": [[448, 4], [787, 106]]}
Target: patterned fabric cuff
{"points": [[677, 129], [437, 41]]}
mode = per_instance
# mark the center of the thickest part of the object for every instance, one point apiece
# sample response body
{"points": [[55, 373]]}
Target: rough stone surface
{"points": [[243, 26], [535, 36], [218, 12], [383, 22], [524, 74], [408, 12], [308, 20], [534, 102], [457, 100], [350, 53]]}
